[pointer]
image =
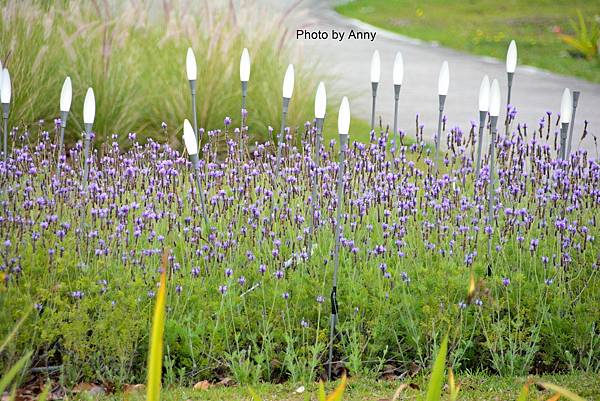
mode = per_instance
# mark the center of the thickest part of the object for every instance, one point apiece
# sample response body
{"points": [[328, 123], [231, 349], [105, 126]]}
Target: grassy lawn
{"points": [[485, 27], [475, 387]]}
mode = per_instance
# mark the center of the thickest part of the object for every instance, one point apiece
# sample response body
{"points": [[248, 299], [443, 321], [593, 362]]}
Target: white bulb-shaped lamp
{"points": [[444, 79], [5, 92], [566, 106], [511, 57], [320, 101], [89, 107], [344, 117], [66, 95], [398, 73], [190, 65], [189, 138], [375, 67], [484, 94], [495, 99], [288, 82], [245, 66]]}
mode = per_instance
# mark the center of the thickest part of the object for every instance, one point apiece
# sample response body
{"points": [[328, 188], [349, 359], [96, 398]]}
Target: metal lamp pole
{"points": [[343, 128], [443, 83], [484, 99], [5, 95], [89, 113], [375, 75], [511, 65], [398, 75], [192, 148], [566, 105], [288, 89], [573, 111], [494, 113], [320, 108], [192, 76], [244, 77], [66, 95]]}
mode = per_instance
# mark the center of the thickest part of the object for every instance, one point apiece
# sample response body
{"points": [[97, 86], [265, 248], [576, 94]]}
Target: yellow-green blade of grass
{"points": [[321, 391], [44, 394], [524, 392], [434, 391], [562, 391], [156, 340], [14, 331], [338, 393], [255, 397], [10, 375]]}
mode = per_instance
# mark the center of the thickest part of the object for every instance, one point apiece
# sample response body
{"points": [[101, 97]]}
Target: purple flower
{"points": [[227, 121], [506, 281], [222, 289], [320, 299]]}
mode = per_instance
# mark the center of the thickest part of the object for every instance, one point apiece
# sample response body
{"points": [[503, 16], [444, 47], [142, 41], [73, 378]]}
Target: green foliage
{"points": [[586, 40]]}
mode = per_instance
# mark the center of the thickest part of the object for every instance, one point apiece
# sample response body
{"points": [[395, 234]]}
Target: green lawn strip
{"points": [[485, 27], [473, 387]]}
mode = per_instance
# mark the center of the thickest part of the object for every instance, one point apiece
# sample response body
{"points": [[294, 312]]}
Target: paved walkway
{"points": [[348, 65]]}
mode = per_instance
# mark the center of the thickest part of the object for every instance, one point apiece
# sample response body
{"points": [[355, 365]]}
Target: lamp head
{"points": [[190, 65], [375, 67], [344, 117], [511, 57], [66, 95], [484, 94], [320, 101], [189, 138], [444, 79], [89, 107], [495, 99], [398, 69], [5, 91], [288, 82], [566, 105], [245, 66]]}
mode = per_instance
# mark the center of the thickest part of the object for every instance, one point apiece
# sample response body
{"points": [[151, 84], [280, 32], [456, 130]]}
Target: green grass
{"points": [[485, 27], [473, 387]]}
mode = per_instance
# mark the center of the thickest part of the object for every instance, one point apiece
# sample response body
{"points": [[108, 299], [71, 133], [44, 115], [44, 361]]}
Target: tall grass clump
{"points": [[133, 55]]}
